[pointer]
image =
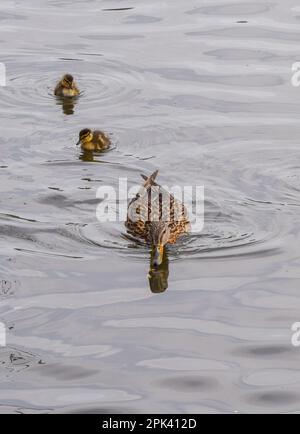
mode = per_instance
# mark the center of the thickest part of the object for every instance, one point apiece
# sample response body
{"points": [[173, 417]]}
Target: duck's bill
{"points": [[158, 255], [78, 143]]}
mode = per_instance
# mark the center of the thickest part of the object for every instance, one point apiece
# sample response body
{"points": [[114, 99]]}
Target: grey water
{"points": [[202, 91]]}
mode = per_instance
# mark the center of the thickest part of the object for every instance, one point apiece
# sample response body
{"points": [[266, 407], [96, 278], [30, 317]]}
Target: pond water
{"points": [[202, 91]]}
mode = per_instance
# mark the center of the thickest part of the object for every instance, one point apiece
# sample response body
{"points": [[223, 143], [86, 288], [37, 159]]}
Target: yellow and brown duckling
{"points": [[155, 216], [93, 140], [66, 87]]}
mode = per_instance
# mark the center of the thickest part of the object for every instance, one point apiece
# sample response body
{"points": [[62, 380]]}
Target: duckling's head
{"points": [[85, 136], [159, 236], [67, 81]]}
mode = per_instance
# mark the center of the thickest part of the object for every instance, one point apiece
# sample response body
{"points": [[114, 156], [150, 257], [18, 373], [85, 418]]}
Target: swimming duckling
{"points": [[66, 87], [93, 140]]}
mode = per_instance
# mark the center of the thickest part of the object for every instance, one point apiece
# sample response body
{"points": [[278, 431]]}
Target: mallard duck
{"points": [[66, 87], [93, 140], [157, 217]]}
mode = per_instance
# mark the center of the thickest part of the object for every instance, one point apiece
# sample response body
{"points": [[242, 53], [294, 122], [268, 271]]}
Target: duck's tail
{"points": [[150, 180]]}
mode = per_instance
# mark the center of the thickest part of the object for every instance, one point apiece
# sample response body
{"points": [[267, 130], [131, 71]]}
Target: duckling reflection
{"points": [[67, 104], [90, 157], [66, 92], [159, 274], [87, 156]]}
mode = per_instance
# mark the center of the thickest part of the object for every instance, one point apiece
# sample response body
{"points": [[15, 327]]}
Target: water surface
{"points": [[200, 90]]}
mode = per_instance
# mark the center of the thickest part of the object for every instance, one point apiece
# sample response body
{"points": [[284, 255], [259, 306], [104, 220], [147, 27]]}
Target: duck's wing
{"points": [[138, 207], [150, 180], [146, 186], [166, 205], [75, 88], [153, 202], [101, 139]]}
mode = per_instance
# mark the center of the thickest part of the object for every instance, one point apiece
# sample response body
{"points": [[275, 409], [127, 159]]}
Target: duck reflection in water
{"points": [[158, 274], [87, 156], [67, 104]]}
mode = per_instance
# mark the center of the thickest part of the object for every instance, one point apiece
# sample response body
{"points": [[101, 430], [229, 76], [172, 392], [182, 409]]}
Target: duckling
{"points": [[93, 140], [146, 218], [66, 87]]}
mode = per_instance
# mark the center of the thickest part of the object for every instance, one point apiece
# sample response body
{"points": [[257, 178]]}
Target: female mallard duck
{"points": [[157, 217], [66, 87], [93, 140]]}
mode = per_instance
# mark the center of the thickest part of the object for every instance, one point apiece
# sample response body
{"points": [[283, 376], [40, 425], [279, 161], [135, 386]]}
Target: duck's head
{"points": [[85, 136], [67, 81], [159, 236]]}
